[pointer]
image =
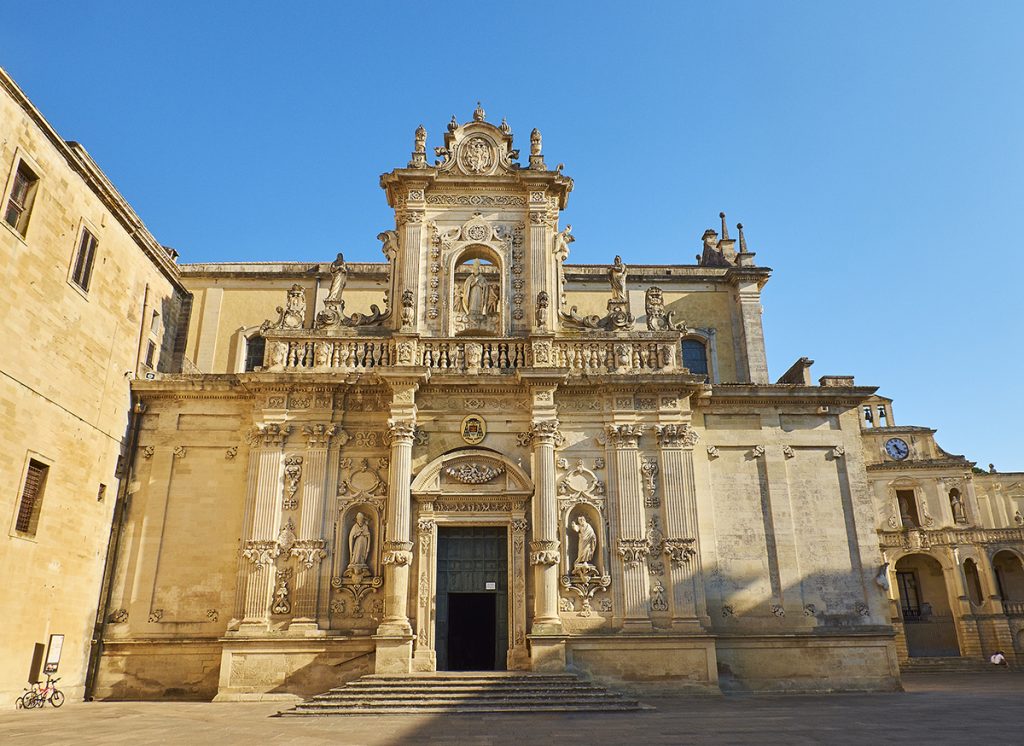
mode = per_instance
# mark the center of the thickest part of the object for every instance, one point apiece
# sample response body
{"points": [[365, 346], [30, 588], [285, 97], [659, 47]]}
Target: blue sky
{"points": [[873, 151]]}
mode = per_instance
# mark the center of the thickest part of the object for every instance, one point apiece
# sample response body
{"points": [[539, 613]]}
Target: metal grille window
{"points": [[84, 258], [31, 497], [19, 203], [910, 601]]}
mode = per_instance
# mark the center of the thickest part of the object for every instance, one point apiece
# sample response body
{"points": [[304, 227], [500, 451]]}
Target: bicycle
{"points": [[46, 693], [27, 700]]}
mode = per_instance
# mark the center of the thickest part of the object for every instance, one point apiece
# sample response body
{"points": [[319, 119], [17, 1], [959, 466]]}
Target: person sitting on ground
{"points": [[998, 659]]}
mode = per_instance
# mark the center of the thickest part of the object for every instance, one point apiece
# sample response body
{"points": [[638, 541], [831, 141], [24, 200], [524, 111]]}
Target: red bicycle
{"points": [[48, 692]]}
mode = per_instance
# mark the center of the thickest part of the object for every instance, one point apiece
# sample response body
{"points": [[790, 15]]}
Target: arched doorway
{"points": [[471, 562], [924, 605], [1009, 571]]}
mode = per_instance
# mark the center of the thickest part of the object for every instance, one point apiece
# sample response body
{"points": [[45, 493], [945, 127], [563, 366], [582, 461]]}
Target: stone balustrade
{"points": [[303, 350], [923, 538]]}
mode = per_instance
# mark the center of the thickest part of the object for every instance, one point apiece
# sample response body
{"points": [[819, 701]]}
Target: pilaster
{"points": [[632, 545]]}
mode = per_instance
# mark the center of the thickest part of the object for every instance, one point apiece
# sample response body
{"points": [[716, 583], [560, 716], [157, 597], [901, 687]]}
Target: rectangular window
{"points": [[255, 347], [31, 497], [101, 493], [908, 508], [150, 354], [84, 258], [19, 203], [154, 324]]}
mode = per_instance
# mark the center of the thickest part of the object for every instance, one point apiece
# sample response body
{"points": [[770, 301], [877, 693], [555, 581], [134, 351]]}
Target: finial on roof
{"points": [[420, 145], [504, 127], [743, 241], [725, 228], [479, 115], [453, 124], [535, 142]]}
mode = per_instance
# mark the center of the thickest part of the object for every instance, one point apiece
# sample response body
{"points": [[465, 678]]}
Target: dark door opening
{"points": [[472, 598], [471, 628]]}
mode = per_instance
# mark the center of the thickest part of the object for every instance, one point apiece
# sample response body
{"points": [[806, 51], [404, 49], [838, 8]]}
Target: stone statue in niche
{"points": [[957, 505], [339, 278], [476, 302], [583, 566], [617, 278], [359, 538]]}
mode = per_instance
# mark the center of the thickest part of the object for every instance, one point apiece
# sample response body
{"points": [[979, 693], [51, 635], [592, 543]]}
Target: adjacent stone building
{"points": [[92, 301]]}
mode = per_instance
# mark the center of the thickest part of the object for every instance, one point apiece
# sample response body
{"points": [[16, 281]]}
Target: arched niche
{"points": [[479, 296], [472, 475], [352, 531]]}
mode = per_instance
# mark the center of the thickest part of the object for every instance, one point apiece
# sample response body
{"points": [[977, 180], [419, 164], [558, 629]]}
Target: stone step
{"points": [[468, 692]]}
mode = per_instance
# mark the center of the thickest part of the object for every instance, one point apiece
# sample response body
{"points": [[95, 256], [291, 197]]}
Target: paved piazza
{"points": [[980, 708]]}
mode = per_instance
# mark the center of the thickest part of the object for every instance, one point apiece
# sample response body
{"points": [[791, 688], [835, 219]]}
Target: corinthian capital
{"points": [[542, 432], [676, 436], [624, 436], [269, 435], [319, 435], [402, 431]]}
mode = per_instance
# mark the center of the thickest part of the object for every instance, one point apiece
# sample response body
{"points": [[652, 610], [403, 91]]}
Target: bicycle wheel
{"points": [[57, 698], [19, 703], [29, 700]]}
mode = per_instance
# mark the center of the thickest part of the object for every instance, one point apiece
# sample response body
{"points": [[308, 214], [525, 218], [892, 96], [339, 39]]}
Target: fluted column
{"points": [[632, 545], [397, 545], [682, 546], [310, 548], [545, 545], [263, 511]]}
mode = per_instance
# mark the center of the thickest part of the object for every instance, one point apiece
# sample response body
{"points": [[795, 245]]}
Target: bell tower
{"points": [[476, 246]]}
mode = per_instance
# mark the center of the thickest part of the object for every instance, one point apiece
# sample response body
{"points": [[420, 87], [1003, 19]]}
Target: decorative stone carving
{"points": [[778, 611], [179, 451], [293, 314], [658, 600], [270, 435], [286, 537], [633, 551], [541, 431], [543, 301], [624, 436], [147, 452], [677, 435], [309, 551], [810, 610], [363, 483], [118, 616], [680, 551], [617, 279], [727, 610], [862, 609], [319, 435], [398, 553], [359, 539], [212, 615], [337, 606], [261, 553], [230, 453], [713, 452], [401, 430], [649, 474], [566, 604], [519, 525], [156, 615], [292, 475], [658, 319], [282, 604], [788, 451], [408, 310], [581, 484], [543, 552], [605, 605], [838, 452], [474, 473], [419, 149], [757, 451]]}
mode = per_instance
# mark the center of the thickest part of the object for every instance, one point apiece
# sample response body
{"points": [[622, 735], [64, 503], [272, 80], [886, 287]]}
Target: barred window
{"points": [[31, 497], [19, 202], [84, 259]]}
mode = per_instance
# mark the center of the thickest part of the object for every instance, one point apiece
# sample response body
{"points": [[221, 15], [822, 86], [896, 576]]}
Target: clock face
{"points": [[897, 448]]}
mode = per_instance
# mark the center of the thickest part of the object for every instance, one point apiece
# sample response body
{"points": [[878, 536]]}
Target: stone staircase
{"points": [[950, 665], [469, 692]]}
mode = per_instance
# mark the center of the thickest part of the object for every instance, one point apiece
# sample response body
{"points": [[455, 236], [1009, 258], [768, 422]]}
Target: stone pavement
{"points": [[972, 708]]}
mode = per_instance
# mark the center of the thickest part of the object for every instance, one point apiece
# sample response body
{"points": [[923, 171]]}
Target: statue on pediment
{"points": [[617, 279], [339, 278]]}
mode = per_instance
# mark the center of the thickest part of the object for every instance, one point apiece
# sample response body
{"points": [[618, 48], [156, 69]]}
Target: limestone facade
{"points": [[598, 447], [952, 538], [92, 301]]}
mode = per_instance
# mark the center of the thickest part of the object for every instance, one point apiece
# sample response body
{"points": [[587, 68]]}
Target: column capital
{"points": [[676, 435], [268, 435], [624, 436], [401, 431], [319, 435], [542, 432], [397, 553]]}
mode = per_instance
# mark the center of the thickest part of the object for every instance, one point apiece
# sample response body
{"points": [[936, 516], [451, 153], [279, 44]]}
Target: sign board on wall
{"points": [[53, 654]]}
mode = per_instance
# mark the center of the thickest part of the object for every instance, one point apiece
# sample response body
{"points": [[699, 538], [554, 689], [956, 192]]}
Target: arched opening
{"points": [[695, 357], [255, 348], [477, 293], [1009, 572], [973, 582], [924, 604]]}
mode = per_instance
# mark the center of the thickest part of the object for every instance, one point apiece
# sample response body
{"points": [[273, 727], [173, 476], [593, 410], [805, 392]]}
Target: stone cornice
{"points": [[754, 394], [957, 462]]}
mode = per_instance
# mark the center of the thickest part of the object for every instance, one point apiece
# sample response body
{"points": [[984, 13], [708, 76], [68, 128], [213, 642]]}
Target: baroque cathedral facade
{"points": [[473, 455]]}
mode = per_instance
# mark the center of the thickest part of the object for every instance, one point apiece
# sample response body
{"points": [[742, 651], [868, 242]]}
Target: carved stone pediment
{"points": [[477, 148]]}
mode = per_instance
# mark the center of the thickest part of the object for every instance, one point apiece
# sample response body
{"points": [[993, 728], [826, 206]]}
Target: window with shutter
{"points": [[84, 258], [19, 201], [31, 497]]}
